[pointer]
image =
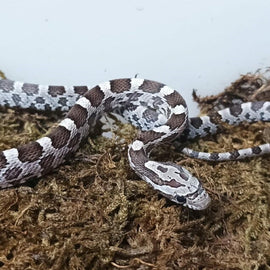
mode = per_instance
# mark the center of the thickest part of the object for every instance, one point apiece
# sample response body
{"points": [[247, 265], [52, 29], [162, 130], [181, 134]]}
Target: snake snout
{"points": [[199, 200]]}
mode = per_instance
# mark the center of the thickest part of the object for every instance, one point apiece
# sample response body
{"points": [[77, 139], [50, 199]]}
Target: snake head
{"points": [[177, 184], [171, 180]]}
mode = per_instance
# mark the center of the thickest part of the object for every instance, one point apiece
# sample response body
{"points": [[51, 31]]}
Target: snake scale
{"points": [[157, 110]]}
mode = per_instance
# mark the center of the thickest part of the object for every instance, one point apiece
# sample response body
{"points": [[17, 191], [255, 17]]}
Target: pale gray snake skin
{"points": [[156, 109]]}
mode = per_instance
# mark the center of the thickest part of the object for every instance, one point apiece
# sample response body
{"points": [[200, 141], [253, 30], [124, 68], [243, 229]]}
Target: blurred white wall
{"points": [[184, 43]]}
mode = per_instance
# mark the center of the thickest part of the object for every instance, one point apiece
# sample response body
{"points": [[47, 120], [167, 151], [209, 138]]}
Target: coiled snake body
{"points": [[158, 110]]}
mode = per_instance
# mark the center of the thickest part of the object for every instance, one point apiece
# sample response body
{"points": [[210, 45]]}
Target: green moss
{"points": [[95, 213]]}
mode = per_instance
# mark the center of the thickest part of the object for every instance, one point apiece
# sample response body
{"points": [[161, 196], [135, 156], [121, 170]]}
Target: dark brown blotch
{"points": [[78, 114], [59, 137], [6, 85], [149, 136], [175, 99], [177, 121], [138, 158], [162, 169], [183, 175], [95, 96], [54, 91], [173, 183], [30, 89], [151, 86], [81, 90], [30, 152], [120, 85]]}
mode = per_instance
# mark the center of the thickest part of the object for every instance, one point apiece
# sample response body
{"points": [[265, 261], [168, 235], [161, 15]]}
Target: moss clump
{"points": [[95, 213]]}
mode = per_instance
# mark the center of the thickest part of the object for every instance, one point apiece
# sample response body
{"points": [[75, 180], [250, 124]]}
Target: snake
{"points": [[158, 111]]}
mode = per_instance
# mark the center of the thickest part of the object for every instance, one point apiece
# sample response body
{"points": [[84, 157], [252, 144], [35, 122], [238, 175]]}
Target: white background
{"points": [[186, 44]]}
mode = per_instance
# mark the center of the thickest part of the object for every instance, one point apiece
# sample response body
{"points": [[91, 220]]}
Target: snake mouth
{"points": [[198, 200]]}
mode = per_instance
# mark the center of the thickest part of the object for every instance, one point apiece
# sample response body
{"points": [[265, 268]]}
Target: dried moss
{"points": [[95, 213]]}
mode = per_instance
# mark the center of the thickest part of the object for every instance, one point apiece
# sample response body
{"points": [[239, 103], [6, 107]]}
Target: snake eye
{"points": [[181, 199]]}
